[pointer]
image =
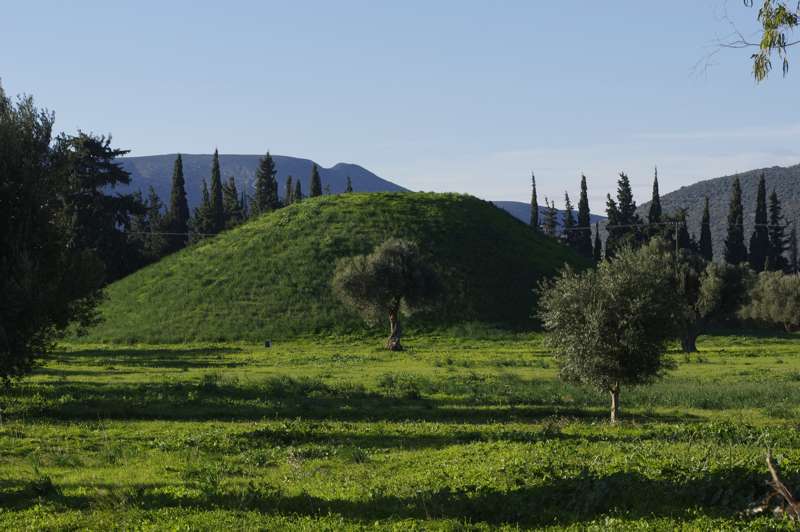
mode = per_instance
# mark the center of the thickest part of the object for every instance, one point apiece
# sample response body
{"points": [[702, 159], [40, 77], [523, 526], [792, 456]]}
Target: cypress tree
{"points": [[534, 204], [685, 240], [244, 203], [217, 208], [349, 187], [178, 214], [550, 218], [584, 232], [202, 221], [266, 196], [570, 234], [759, 242], [654, 215], [706, 248], [231, 203], [297, 195], [597, 252], [622, 217], [157, 222], [793, 258], [735, 250], [777, 235], [315, 188], [288, 195]]}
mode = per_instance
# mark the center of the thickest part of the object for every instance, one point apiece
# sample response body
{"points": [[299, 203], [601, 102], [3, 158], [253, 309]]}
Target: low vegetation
{"points": [[452, 434]]}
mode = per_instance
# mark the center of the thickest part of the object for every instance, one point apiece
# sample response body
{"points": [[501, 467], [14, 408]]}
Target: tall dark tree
{"points": [[793, 253], [288, 194], [583, 237], [570, 232], [735, 250], [178, 214], [97, 220], [550, 224], [706, 248], [597, 251], [349, 187], [759, 241], [534, 204], [315, 188], [244, 201], [778, 243], [623, 222], [203, 219], [297, 195], [215, 197], [266, 196], [149, 226], [231, 204], [654, 214], [45, 282]]}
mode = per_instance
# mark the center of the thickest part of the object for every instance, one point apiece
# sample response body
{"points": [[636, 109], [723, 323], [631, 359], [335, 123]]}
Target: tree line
{"points": [[770, 247]]}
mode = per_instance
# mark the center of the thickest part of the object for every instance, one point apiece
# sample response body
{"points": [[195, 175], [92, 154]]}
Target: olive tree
{"points": [[395, 278], [775, 298], [709, 292], [610, 326]]}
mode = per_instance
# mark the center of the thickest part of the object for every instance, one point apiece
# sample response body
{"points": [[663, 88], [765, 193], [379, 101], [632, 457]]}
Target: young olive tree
{"points": [[775, 298], [394, 278], [610, 326]]}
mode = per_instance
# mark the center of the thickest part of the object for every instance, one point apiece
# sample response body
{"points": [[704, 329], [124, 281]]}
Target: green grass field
{"points": [[336, 434]]}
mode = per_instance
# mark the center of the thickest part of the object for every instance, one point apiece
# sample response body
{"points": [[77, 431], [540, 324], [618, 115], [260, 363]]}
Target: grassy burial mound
{"points": [[270, 278]]}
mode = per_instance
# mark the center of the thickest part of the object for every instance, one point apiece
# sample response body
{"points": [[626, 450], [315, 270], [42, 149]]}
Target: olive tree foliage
{"points": [[709, 292], [777, 20], [395, 278], [609, 327], [775, 298]]}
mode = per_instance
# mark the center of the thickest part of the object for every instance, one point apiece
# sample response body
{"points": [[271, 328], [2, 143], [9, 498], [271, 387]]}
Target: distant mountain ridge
{"points": [[522, 211], [784, 180]]}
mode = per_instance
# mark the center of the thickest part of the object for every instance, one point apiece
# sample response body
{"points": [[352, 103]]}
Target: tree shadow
{"points": [[555, 501], [276, 398], [150, 357]]}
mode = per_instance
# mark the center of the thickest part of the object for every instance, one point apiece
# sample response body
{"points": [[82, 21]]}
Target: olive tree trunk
{"points": [[393, 342], [614, 403], [689, 342]]}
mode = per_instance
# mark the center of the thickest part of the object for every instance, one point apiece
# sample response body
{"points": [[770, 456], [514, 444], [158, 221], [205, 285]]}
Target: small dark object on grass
{"points": [[267, 343]]}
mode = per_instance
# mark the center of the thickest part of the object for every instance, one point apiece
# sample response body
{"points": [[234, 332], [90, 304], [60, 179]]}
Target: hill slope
{"points": [[156, 170], [784, 180], [270, 277]]}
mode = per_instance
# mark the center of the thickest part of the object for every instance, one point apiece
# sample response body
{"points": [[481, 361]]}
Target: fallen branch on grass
{"points": [[789, 506]]}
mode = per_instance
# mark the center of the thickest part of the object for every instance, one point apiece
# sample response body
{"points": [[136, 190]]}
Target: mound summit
{"points": [[270, 277]]}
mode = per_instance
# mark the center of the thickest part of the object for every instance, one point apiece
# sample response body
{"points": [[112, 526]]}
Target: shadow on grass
{"points": [[278, 398], [149, 357], [558, 501]]}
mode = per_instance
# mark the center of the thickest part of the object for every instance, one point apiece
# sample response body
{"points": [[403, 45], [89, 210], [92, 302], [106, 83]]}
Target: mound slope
{"points": [[270, 278]]}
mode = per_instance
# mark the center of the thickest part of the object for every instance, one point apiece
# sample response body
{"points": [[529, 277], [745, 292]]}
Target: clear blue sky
{"points": [[435, 95]]}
